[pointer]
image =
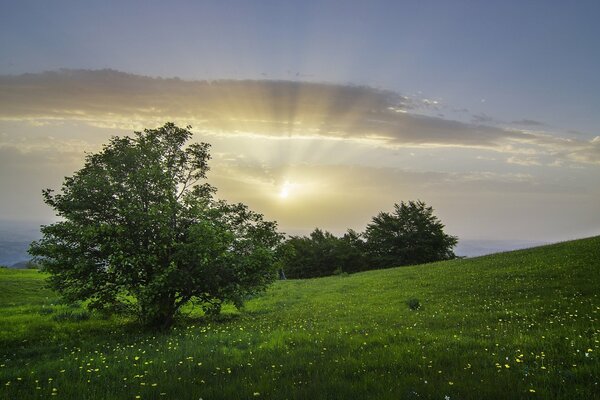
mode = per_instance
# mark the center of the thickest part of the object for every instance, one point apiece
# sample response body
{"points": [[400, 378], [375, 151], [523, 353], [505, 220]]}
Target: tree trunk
{"points": [[160, 314]]}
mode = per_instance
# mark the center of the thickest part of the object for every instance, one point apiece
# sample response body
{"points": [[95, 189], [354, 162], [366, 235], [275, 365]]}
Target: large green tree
{"points": [[140, 230], [411, 234]]}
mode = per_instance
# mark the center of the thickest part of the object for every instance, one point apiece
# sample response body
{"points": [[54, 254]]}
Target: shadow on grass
{"points": [[46, 335]]}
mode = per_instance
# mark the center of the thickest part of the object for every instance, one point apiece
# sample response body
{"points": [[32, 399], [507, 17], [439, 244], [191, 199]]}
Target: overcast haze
{"points": [[321, 113]]}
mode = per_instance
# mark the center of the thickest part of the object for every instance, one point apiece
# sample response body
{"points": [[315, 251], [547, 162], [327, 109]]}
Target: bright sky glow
{"points": [[284, 193]]}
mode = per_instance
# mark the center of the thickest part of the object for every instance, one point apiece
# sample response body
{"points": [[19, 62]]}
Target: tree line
{"points": [[410, 234]]}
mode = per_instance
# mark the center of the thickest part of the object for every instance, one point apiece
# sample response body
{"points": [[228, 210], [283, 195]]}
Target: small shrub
{"points": [[81, 315], [75, 305], [71, 316], [413, 304], [62, 316], [46, 310]]}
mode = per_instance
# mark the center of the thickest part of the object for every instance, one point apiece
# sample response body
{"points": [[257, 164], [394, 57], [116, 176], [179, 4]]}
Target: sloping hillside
{"points": [[512, 325]]}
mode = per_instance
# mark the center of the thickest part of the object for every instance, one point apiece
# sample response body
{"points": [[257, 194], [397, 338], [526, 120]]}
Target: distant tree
{"points": [[322, 254], [310, 257], [351, 255], [411, 234], [140, 232]]}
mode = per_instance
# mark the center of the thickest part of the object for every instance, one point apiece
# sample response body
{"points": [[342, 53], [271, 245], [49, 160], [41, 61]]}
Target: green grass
{"points": [[523, 324]]}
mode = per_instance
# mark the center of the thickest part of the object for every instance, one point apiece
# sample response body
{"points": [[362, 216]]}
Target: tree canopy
{"points": [[141, 231], [321, 254], [411, 234]]}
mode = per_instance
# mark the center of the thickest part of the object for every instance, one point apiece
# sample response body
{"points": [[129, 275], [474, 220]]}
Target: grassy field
{"points": [[523, 324]]}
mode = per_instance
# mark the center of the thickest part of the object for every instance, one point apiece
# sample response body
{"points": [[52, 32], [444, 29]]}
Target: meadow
{"points": [[523, 324]]}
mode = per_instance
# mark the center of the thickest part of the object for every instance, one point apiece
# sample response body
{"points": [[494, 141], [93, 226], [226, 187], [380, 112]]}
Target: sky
{"points": [[321, 113]]}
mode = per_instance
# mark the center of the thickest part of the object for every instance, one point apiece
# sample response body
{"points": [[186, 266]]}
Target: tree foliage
{"points": [[411, 234], [141, 231], [321, 254], [310, 257]]}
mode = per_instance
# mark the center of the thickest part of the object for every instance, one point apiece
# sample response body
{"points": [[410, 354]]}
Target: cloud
{"points": [[587, 154], [273, 109], [527, 122], [523, 160], [49, 149], [482, 119]]}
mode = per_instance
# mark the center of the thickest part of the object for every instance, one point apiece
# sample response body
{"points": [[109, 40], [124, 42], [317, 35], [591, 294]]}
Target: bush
{"points": [[74, 305], [413, 304], [71, 316], [46, 311]]}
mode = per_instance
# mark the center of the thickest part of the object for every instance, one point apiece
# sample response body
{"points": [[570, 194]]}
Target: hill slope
{"points": [[511, 325]]}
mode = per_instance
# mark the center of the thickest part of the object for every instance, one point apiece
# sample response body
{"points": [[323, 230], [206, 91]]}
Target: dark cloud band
{"points": [[267, 108]]}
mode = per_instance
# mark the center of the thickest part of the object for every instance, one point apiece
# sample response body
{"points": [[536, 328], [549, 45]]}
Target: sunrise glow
{"points": [[284, 193]]}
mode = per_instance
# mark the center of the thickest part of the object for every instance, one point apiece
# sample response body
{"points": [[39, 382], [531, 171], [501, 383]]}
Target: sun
{"points": [[284, 193]]}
